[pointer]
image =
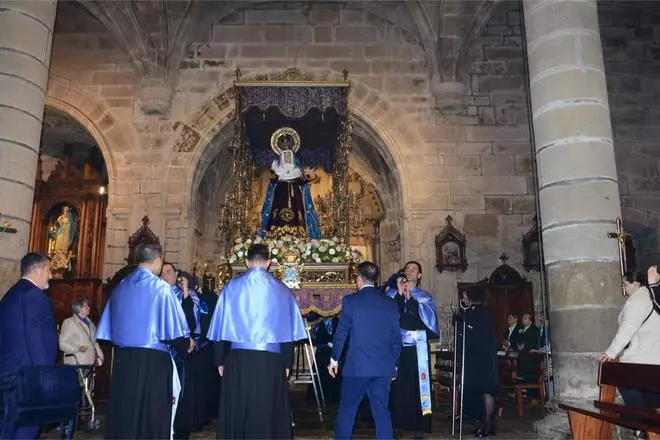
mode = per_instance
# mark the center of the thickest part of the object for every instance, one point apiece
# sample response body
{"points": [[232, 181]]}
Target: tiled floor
{"points": [[308, 426]]}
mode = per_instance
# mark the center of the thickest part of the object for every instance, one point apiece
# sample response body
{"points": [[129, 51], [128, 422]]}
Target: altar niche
{"points": [[68, 217], [291, 184]]}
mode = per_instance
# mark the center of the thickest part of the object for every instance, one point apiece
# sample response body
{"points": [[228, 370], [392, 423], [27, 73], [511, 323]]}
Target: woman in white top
{"points": [[638, 338], [78, 337]]}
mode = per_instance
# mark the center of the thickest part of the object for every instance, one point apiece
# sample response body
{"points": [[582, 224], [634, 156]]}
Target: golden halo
{"points": [[280, 133]]}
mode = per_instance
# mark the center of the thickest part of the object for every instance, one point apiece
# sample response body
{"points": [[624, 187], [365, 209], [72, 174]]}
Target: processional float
{"points": [[271, 114]]}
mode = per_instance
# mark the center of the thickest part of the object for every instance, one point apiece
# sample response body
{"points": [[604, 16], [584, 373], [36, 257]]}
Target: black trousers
{"points": [[643, 400]]}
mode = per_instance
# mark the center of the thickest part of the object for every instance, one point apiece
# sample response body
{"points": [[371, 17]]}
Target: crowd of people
{"points": [[183, 356]]}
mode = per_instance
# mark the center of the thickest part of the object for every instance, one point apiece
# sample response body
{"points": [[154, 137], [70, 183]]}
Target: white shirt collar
{"points": [[365, 285], [35, 284]]}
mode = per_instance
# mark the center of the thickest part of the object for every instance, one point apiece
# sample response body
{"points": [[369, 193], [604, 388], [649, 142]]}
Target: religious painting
{"points": [[451, 253], [62, 238], [450, 248]]}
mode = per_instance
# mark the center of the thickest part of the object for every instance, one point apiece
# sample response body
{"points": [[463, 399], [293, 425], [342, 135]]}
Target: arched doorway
{"points": [[374, 181], [71, 196]]}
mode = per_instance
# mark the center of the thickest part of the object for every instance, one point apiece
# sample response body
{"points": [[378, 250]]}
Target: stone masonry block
{"points": [[19, 127], [497, 133], [238, 34], [356, 34], [579, 202], [406, 85], [562, 123], [334, 51], [496, 185], [263, 51], [497, 164], [321, 16], [575, 161], [636, 166], [276, 16], [482, 225], [13, 35], [498, 205], [288, 34], [579, 243], [643, 185], [465, 203], [351, 16], [323, 34], [488, 83], [523, 163], [524, 204]]}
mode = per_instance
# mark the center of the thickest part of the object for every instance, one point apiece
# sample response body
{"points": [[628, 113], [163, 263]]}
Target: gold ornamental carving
{"points": [[285, 138]]}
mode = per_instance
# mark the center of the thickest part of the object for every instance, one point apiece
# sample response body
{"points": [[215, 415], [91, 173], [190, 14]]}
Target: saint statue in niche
{"points": [[288, 201], [61, 240]]}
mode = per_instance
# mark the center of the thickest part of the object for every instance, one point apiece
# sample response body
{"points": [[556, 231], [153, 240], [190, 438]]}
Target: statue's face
{"points": [[65, 209], [288, 157]]}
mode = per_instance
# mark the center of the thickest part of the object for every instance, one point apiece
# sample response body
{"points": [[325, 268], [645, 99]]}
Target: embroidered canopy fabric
{"points": [[325, 301], [293, 101]]}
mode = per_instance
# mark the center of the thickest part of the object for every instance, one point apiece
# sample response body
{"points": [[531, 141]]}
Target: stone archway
{"points": [[89, 112], [375, 116], [375, 119]]}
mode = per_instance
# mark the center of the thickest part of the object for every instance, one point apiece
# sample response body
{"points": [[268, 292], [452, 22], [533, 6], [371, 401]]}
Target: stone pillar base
{"points": [[155, 97]]}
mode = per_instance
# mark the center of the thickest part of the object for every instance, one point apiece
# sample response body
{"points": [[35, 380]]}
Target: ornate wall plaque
{"points": [[450, 249]]}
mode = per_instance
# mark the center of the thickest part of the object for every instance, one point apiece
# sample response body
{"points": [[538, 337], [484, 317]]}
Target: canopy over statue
{"points": [[288, 199]]}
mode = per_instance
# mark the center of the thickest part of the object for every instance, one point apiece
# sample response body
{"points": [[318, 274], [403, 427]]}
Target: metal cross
{"points": [[621, 236]]}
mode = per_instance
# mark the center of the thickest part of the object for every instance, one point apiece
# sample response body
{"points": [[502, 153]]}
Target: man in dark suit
{"points": [[371, 319], [27, 325]]}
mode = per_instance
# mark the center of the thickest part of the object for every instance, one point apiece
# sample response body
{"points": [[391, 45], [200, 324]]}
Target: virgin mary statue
{"points": [[288, 198]]}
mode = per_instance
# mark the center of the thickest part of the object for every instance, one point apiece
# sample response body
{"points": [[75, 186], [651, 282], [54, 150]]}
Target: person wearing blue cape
{"points": [[191, 411], [410, 399], [146, 323], [254, 325]]}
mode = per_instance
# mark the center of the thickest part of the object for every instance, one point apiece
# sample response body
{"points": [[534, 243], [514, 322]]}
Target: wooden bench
{"points": [[594, 420]]}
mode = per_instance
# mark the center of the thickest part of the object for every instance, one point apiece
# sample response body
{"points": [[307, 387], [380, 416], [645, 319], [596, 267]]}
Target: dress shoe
{"points": [[481, 433]]}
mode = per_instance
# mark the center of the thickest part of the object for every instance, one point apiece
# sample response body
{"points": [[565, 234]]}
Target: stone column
{"points": [[26, 35], [578, 189]]}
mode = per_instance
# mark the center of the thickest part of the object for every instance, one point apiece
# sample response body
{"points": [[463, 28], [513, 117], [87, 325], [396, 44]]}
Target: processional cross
{"points": [[621, 236]]}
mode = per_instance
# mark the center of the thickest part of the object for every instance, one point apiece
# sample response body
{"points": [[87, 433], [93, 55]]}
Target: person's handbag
{"points": [[40, 394]]}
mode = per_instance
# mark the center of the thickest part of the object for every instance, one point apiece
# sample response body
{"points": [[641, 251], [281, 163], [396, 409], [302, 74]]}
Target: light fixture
{"points": [[102, 190]]}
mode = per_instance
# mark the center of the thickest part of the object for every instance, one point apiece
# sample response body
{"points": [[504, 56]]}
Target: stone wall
{"points": [[630, 33], [476, 167]]}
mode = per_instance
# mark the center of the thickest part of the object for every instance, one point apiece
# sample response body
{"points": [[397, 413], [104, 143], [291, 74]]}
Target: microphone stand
{"points": [[463, 315]]}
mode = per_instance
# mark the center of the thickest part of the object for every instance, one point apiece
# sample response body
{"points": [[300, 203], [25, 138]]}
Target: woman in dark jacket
{"points": [[482, 382]]}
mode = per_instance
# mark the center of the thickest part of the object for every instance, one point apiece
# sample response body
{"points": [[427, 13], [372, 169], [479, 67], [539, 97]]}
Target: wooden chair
{"points": [[533, 366]]}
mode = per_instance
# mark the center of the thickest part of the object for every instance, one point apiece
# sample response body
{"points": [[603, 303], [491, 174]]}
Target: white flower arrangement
{"points": [[330, 250]]}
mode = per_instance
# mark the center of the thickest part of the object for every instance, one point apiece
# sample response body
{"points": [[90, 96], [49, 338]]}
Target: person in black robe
{"points": [[482, 381], [417, 315], [322, 334], [191, 411], [254, 325], [146, 323], [212, 379]]}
